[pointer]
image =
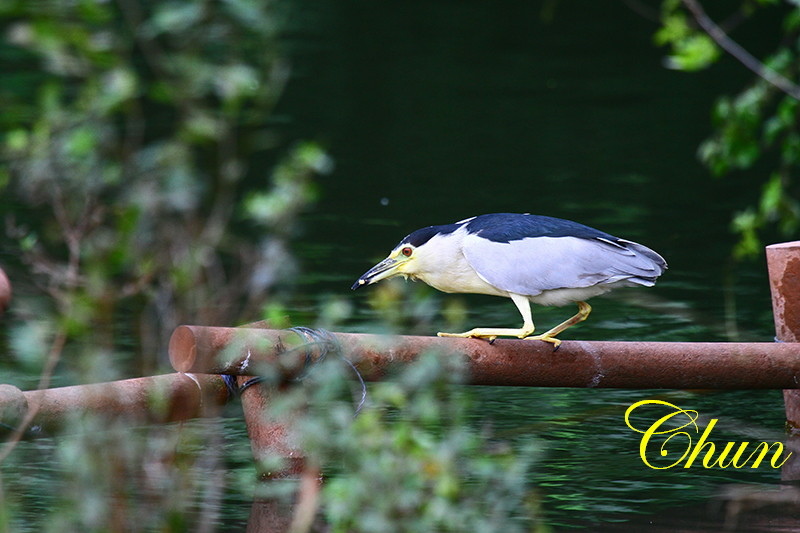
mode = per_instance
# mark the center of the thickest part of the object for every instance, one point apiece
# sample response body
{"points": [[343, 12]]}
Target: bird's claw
{"points": [[469, 335], [491, 335], [546, 338]]}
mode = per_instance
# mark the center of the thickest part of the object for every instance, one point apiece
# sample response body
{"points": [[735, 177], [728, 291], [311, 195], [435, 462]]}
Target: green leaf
{"points": [[673, 28], [175, 17], [118, 86], [693, 53], [772, 195], [17, 140], [81, 142], [773, 127], [791, 22], [790, 150], [29, 341], [745, 223]]}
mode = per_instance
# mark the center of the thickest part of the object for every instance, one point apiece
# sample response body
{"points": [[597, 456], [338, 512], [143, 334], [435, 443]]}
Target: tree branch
{"points": [[743, 56]]}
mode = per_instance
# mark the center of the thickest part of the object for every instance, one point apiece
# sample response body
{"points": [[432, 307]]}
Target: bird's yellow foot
{"points": [[468, 335], [490, 334], [547, 338]]}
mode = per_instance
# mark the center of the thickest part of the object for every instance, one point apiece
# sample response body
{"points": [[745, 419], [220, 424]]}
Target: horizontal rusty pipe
{"points": [[164, 398], [641, 365]]}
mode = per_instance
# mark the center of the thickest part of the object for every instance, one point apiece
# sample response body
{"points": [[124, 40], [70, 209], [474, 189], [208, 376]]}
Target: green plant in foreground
{"points": [[411, 459], [760, 123], [143, 185], [142, 178]]}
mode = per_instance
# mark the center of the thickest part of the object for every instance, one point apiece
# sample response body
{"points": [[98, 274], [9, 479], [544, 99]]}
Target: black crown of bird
{"points": [[528, 258]]}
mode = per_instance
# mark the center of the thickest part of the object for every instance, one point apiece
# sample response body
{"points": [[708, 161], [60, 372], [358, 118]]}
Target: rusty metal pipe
{"points": [[164, 398], [783, 264], [268, 437], [641, 365]]}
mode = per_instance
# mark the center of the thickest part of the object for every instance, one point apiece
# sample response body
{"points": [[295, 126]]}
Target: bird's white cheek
{"points": [[408, 270]]}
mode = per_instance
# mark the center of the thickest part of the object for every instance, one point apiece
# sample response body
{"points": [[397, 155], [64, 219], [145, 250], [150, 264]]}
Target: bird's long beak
{"points": [[385, 269]]}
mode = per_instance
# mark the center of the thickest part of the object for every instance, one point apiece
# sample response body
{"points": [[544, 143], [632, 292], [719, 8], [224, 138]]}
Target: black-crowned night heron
{"points": [[528, 258]]}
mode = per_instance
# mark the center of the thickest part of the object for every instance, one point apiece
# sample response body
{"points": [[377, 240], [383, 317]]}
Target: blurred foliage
{"points": [[409, 460], [135, 181], [691, 49], [144, 186], [759, 124], [111, 476]]}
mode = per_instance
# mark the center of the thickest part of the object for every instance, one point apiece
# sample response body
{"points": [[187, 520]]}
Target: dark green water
{"points": [[436, 111]]}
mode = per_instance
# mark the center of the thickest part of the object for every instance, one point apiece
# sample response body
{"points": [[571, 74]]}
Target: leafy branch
{"points": [[760, 123]]}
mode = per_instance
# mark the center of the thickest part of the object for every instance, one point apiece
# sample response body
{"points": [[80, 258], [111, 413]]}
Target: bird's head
{"points": [[401, 262], [423, 255]]}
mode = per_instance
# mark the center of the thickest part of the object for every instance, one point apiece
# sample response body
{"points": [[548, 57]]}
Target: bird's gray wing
{"points": [[532, 265]]}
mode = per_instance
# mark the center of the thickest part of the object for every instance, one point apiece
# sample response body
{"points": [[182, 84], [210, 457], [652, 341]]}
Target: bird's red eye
{"points": [[407, 251]]}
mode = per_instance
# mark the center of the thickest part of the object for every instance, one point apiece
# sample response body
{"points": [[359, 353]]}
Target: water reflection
{"points": [[434, 112], [592, 472]]}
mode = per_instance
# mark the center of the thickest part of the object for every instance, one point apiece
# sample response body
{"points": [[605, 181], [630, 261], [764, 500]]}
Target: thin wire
{"points": [[232, 385], [363, 386], [321, 338], [250, 382], [235, 390], [325, 342], [328, 343]]}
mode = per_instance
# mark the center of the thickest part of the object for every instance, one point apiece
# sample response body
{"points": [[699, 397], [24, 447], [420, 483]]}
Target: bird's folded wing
{"points": [[533, 265]]}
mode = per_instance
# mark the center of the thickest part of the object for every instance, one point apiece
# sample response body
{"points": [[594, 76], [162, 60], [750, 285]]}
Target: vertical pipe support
{"points": [[269, 438], [783, 264], [272, 439]]}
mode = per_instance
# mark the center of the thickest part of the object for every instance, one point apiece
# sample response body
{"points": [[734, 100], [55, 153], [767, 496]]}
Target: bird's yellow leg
{"points": [[549, 336], [527, 328]]}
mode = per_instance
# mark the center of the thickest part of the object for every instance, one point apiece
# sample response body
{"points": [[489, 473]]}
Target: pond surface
{"points": [[437, 111]]}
